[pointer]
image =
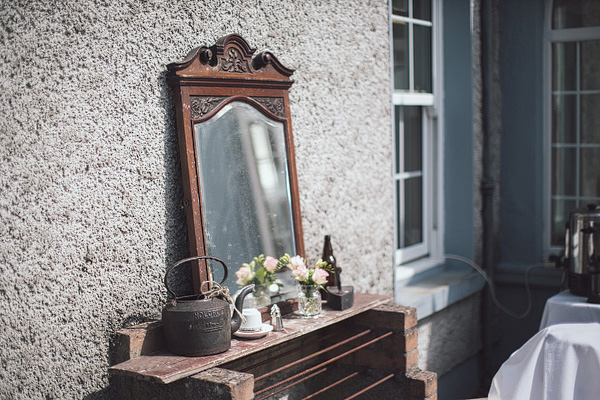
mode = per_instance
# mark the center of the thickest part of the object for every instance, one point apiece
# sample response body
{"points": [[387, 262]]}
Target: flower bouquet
{"points": [[261, 272], [310, 280]]}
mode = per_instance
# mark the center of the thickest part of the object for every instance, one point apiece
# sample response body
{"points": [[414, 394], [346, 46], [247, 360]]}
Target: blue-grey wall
{"points": [[464, 380], [521, 62], [458, 124], [521, 36]]}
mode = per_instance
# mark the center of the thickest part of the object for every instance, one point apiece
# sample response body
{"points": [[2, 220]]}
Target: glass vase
{"points": [[260, 298], [309, 301]]}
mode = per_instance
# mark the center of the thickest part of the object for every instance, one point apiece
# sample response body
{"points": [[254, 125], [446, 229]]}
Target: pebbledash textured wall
{"points": [[90, 184]]}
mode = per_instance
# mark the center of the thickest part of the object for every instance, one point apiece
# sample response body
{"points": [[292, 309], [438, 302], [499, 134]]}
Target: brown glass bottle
{"points": [[329, 257]]}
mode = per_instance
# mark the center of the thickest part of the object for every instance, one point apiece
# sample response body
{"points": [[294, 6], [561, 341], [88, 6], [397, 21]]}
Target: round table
{"points": [[566, 308]]}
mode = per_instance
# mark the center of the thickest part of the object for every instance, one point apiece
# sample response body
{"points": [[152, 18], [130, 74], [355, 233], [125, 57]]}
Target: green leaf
{"points": [[260, 275]]}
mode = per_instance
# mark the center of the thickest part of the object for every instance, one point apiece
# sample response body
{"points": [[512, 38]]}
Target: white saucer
{"points": [[264, 329]]}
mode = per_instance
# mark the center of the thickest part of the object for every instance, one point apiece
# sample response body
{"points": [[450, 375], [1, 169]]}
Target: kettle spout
{"points": [[236, 320]]}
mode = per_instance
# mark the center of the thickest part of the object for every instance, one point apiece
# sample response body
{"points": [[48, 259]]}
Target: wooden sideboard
{"points": [[367, 351]]}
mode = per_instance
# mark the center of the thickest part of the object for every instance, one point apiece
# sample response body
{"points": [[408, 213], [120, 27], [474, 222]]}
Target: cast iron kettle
{"points": [[201, 324]]}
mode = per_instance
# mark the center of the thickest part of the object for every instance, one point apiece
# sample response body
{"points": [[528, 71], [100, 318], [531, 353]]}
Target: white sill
{"points": [[430, 285]]}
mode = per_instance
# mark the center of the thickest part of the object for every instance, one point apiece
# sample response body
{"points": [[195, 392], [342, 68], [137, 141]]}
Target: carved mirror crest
{"points": [[237, 154]]}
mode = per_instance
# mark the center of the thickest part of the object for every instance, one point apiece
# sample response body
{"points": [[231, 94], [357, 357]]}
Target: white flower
{"points": [[320, 276], [296, 262], [244, 274], [300, 273]]}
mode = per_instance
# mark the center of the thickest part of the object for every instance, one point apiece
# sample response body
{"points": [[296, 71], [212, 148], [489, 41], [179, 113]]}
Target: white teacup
{"points": [[253, 320]]}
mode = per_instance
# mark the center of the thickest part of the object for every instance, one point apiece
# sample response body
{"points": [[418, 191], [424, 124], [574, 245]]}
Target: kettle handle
{"points": [[178, 263]]}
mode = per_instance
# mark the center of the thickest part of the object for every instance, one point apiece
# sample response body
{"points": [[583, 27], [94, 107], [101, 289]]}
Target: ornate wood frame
{"points": [[205, 81]]}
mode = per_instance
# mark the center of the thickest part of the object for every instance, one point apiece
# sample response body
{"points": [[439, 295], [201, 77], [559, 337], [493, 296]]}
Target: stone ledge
{"points": [[215, 383], [438, 290]]}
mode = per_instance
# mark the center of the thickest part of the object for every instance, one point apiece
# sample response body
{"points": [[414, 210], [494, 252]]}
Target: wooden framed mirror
{"points": [[237, 155]]}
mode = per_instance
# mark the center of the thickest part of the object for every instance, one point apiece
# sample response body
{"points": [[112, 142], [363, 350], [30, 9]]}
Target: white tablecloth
{"points": [[560, 362], [567, 308]]}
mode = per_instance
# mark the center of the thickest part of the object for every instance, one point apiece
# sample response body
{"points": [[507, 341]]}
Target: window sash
{"points": [[413, 68], [572, 184], [427, 102], [418, 171], [571, 178]]}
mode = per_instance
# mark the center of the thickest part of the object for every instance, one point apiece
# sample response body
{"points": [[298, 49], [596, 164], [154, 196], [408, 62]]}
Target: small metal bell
{"points": [[276, 320]]}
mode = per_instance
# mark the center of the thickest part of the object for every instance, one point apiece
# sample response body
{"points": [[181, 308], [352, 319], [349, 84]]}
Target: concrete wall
{"points": [[90, 188], [450, 336], [450, 344]]}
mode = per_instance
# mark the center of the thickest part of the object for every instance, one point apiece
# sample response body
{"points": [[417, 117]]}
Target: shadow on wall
{"points": [[175, 229], [513, 332], [175, 224], [104, 394]]}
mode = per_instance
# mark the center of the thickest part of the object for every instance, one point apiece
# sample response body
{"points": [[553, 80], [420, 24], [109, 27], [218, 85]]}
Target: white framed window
{"points": [[416, 41], [572, 116]]}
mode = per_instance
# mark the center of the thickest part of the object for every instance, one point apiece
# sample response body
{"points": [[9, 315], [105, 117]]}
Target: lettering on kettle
{"points": [[208, 314], [208, 321]]}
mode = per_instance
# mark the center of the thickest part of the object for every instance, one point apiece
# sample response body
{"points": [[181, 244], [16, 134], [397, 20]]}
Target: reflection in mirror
{"points": [[245, 187]]}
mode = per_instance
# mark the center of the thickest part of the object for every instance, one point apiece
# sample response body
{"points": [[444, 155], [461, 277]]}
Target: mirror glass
{"points": [[245, 186]]}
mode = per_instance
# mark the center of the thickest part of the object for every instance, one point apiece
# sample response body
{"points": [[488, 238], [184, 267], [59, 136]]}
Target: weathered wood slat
{"points": [[165, 367]]}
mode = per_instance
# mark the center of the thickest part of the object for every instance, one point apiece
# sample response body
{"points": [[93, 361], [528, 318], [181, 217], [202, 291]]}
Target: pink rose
{"points": [[244, 274], [270, 264], [300, 273], [320, 276]]}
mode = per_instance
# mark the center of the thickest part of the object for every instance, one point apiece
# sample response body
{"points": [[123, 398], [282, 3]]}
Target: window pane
{"points": [[564, 66], [590, 64], [422, 9], [401, 64], [560, 214], [413, 212], [563, 174], [400, 7], [564, 118], [590, 119], [422, 65], [413, 146], [590, 172], [575, 14], [575, 116]]}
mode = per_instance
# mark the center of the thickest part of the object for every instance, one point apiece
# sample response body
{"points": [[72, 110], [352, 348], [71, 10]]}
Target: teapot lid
{"points": [[591, 210]]}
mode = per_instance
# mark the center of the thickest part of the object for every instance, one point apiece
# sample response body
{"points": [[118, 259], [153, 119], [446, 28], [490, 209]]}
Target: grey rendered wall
{"points": [[90, 188], [449, 344]]}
